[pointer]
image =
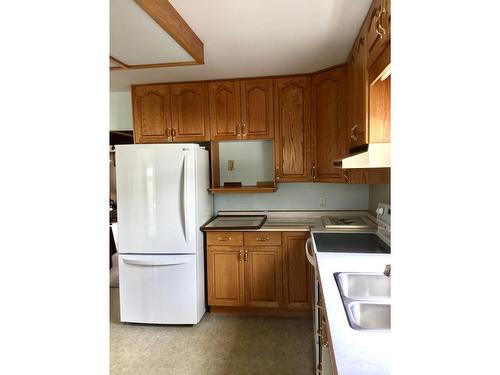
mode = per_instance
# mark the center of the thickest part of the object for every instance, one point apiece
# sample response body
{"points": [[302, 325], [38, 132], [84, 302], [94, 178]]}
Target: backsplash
{"points": [[298, 196], [378, 194]]}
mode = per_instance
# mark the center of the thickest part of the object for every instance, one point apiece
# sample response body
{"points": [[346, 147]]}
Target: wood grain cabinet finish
{"points": [[151, 113], [257, 109], [263, 276], [292, 112], [225, 274], [189, 108], [378, 29], [225, 110], [357, 128], [367, 176], [329, 118], [241, 110], [298, 273]]}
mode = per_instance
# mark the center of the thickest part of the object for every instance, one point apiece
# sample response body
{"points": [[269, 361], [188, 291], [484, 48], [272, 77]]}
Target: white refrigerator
{"points": [[162, 200]]}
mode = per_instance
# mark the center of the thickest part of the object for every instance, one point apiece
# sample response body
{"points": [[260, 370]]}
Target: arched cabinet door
{"points": [[292, 141], [224, 104], [257, 109], [151, 113], [189, 112]]}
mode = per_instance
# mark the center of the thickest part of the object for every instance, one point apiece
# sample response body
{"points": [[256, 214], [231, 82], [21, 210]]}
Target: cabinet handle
{"points": [[174, 133], [263, 238], [169, 132], [380, 30], [246, 255], [346, 178], [277, 173], [243, 129], [240, 256], [224, 238], [238, 129], [314, 172], [353, 129]]}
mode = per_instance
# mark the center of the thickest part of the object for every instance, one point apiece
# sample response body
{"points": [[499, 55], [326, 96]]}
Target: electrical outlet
{"points": [[230, 165], [322, 202]]}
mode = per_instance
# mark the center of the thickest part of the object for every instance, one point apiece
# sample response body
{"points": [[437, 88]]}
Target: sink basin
{"points": [[369, 315], [367, 299], [365, 286]]}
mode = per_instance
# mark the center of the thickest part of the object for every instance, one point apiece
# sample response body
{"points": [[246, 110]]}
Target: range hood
{"points": [[373, 155]]}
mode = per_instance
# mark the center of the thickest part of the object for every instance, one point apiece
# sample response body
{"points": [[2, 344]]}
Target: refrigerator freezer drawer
{"points": [[158, 289]]}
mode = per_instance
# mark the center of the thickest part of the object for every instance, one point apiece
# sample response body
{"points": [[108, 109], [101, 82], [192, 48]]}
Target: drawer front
{"points": [[225, 238], [262, 238]]}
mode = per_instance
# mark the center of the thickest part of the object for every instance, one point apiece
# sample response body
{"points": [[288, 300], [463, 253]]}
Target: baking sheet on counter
{"points": [[235, 222]]}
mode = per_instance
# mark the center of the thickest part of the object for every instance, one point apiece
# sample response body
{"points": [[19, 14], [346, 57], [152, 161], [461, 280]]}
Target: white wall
{"points": [[298, 196], [253, 161], [378, 194], [120, 110]]}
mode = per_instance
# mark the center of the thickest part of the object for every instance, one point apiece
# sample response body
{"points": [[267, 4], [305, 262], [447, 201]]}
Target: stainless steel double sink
{"points": [[367, 299]]}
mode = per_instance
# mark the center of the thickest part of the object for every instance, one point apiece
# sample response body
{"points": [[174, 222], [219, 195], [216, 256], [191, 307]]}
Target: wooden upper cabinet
{"points": [[225, 275], [257, 109], [263, 276], [298, 273], [241, 109], [189, 108], [357, 127], [225, 113], [151, 113], [329, 118], [292, 111], [368, 176], [378, 32]]}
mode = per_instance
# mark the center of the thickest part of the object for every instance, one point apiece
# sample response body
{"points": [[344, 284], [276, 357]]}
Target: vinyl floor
{"points": [[218, 345]]}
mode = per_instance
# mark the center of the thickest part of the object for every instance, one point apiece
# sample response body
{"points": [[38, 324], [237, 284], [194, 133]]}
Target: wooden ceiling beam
{"points": [[167, 17]]}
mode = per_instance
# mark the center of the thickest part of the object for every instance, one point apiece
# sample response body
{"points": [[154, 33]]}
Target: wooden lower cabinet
{"points": [[298, 272], [274, 276], [263, 276], [225, 276]]}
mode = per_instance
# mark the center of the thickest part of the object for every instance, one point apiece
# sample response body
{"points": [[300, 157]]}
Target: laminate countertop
{"points": [[355, 352], [295, 221]]}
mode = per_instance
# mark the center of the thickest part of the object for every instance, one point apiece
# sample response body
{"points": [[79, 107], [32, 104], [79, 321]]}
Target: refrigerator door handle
{"points": [[138, 262], [184, 210]]}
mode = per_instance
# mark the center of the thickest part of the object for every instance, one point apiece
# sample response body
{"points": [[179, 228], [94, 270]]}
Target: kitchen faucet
{"points": [[387, 271]]}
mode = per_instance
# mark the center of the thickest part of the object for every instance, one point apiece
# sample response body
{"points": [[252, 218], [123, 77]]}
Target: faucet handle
{"points": [[387, 270]]}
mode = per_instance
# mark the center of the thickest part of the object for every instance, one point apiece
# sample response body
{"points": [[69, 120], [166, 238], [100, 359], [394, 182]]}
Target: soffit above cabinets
{"points": [[140, 36], [257, 38]]}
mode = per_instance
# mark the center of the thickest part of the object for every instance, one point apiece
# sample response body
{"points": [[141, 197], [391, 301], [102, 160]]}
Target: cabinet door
{"points": [[257, 108], [263, 276], [329, 90], [225, 276], [378, 28], [357, 131], [189, 106], [292, 111], [151, 108], [368, 176], [298, 273], [224, 104]]}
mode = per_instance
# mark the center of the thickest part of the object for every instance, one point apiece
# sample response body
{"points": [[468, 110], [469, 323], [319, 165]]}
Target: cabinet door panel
{"points": [[151, 109], [329, 90], [225, 276], [297, 272], [357, 131], [292, 101], [263, 277], [257, 108], [368, 175], [224, 101], [189, 106]]}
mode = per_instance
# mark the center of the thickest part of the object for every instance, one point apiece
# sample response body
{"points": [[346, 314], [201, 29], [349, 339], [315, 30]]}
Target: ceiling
{"points": [[136, 39], [258, 38]]}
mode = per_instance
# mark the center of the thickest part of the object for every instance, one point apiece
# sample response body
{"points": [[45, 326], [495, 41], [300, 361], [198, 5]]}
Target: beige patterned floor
{"points": [[218, 345]]}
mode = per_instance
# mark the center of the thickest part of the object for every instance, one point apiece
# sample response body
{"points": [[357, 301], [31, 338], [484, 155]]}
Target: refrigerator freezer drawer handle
{"points": [[137, 262]]}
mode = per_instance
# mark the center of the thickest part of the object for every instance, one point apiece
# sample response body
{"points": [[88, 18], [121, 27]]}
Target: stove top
{"points": [[353, 222]]}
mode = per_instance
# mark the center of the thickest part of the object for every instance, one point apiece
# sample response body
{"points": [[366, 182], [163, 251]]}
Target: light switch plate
{"points": [[230, 165]]}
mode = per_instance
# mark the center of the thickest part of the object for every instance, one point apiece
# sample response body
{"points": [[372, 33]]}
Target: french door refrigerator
{"points": [[162, 200]]}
